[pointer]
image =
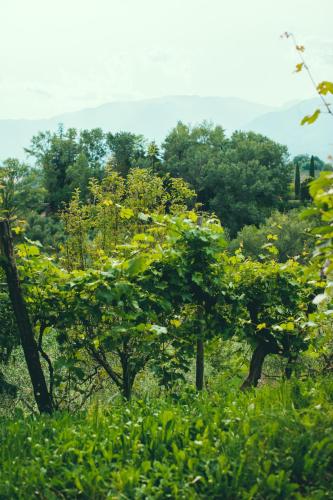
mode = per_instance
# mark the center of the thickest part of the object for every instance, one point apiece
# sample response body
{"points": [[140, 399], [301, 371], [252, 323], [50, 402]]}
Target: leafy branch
{"points": [[322, 89]]}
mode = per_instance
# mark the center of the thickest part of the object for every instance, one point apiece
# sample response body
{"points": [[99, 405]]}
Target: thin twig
{"points": [[299, 50]]}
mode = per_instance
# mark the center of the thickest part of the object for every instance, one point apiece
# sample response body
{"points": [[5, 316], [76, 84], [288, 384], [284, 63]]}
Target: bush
{"points": [[290, 233]]}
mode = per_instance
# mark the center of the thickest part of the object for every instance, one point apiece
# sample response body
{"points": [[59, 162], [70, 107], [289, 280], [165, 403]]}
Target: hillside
{"points": [[155, 117], [284, 126]]}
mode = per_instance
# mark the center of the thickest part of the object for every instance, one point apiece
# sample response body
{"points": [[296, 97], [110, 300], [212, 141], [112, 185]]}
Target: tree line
{"points": [[142, 276]]}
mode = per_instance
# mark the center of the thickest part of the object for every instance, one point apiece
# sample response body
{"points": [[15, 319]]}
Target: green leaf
{"points": [[311, 118], [126, 213], [261, 326], [34, 243], [325, 87], [138, 264]]}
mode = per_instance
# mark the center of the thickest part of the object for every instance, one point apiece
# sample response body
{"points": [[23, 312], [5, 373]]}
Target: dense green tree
{"points": [[242, 179], [22, 196], [192, 276], [153, 156], [16, 187], [252, 181], [25, 327], [78, 175], [114, 321], [304, 161], [127, 150], [117, 209], [55, 153], [289, 232], [277, 301], [68, 159], [247, 194], [93, 145], [191, 152]]}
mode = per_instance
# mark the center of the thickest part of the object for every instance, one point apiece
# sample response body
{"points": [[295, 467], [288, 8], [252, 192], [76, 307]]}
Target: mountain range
{"points": [[154, 118]]}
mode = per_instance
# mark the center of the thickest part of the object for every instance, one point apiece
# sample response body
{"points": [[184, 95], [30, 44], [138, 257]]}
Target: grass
{"points": [[276, 442]]}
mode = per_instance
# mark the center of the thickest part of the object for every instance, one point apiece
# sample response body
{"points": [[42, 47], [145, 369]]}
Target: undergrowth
{"points": [[276, 442]]}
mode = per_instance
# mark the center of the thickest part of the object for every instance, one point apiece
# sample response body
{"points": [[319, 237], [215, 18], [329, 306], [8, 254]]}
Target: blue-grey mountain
{"points": [[155, 117]]}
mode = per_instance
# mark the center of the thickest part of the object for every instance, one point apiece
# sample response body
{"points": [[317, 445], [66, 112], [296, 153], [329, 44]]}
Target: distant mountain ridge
{"points": [[283, 125], [154, 118]]}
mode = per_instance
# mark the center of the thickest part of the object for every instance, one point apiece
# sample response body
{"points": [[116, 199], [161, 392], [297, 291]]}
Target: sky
{"points": [[64, 55]]}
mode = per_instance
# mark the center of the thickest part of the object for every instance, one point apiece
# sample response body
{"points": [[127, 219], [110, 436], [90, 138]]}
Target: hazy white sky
{"points": [[64, 55]]}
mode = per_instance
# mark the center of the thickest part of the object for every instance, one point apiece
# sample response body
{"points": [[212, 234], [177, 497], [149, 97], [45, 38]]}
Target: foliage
{"points": [[8, 336], [188, 152], [322, 193], [304, 160], [277, 300], [127, 275], [14, 182], [115, 321], [146, 308], [305, 190], [118, 210], [68, 159], [253, 182], [148, 305], [130, 280], [273, 444], [289, 232], [8, 330], [22, 198], [241, 179], [202, 156], [46, 229], [191, 274], [127, 151]]}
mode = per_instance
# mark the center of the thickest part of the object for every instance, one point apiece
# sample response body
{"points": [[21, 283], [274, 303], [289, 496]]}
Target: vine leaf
{"points": [[311, 118], [325, 87]]}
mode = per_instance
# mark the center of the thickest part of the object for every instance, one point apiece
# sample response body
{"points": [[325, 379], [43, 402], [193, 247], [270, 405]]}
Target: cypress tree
{"points": [[312, 168], [297, 182]]}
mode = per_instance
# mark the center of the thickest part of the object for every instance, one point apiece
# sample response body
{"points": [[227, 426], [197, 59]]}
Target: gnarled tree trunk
{"points": [[258, 357], [29, 344], [289, 368], [127, 379], [128, 376]]}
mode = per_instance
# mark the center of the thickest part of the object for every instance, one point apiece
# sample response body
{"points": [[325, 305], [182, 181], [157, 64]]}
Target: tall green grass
{"points": [[276, 442]]}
